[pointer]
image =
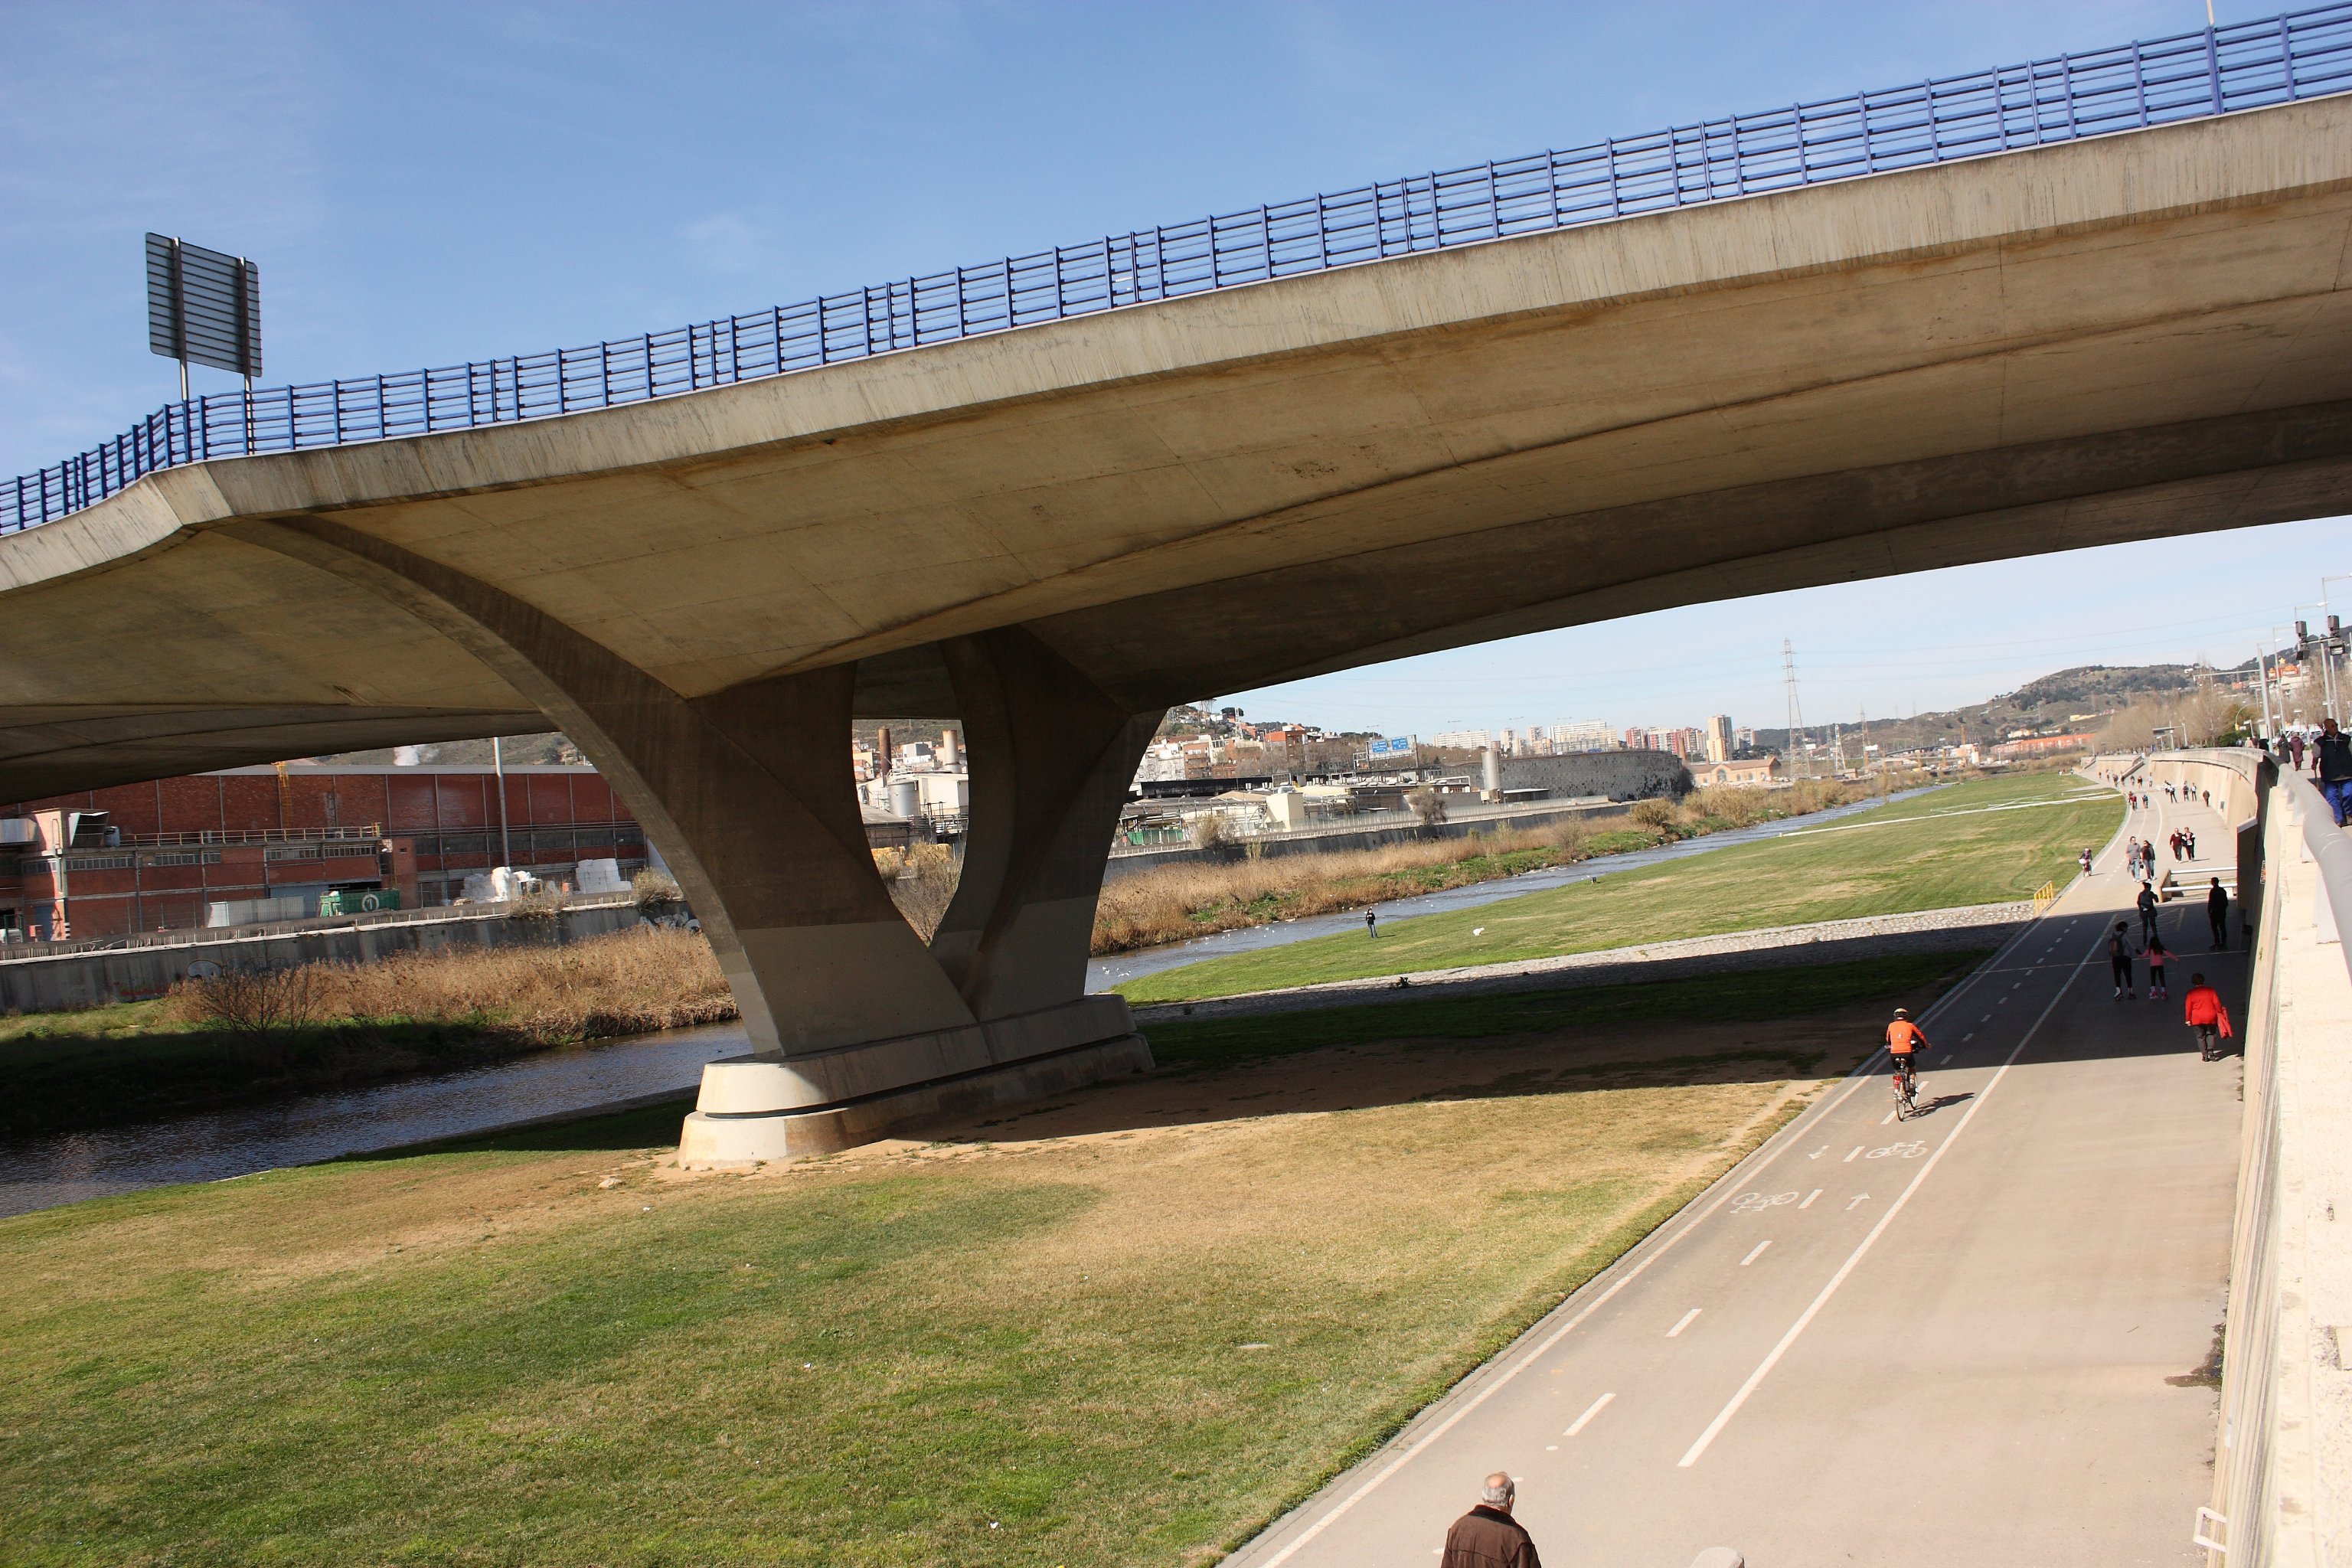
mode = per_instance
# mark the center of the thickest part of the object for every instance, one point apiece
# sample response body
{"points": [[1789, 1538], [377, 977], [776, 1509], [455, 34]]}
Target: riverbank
{"points": [[1177, 903], [321, 1028], [1978, 842]]}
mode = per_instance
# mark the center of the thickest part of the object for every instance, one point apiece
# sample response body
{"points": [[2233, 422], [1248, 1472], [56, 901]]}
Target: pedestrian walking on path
{"points": [[2148, 908], [2157, 990], [2119, 961], [1487, 1536], [2203, 1012], [2086, 862], [2333, 765], [2217, 909], [2294, 750]]}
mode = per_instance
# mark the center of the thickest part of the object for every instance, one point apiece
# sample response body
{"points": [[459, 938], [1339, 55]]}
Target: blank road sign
{"points": [[203, 306]]}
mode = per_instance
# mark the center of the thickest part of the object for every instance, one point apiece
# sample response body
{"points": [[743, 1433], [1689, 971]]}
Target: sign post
{"points": [[204, 307]]}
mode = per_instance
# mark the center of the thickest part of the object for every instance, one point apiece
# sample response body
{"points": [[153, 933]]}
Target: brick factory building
{"points": [[248, 843]]}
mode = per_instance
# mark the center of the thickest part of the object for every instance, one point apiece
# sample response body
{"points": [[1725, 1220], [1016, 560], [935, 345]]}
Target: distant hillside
{"points": [[2066, 700]]}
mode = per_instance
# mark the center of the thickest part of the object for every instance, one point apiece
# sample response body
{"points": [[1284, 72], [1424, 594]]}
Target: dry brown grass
{"points": [[1174, 902], [922, 882], [625, 984]]}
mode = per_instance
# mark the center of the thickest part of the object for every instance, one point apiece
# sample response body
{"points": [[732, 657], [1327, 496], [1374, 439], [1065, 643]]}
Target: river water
{"points": [[213, 1145]]}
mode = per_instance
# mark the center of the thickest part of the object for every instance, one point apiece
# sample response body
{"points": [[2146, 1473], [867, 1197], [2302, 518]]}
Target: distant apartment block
{"points": [[1582, 735], [1719, 741]]}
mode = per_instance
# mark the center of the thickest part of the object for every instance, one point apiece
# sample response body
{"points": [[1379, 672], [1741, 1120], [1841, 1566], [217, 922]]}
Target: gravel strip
{"points": [[1777, 947]]}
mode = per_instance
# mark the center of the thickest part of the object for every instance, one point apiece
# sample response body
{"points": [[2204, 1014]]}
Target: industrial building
{"points": [[260, 843]]}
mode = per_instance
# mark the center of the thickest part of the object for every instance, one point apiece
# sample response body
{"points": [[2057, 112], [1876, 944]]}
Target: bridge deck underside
{"points": [[2146, 334]]}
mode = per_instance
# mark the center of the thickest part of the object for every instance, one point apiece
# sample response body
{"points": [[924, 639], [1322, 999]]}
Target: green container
{"points": [[357, 901]]}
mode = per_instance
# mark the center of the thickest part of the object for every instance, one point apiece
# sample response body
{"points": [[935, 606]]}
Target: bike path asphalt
{"points": [[1942, 1341]]}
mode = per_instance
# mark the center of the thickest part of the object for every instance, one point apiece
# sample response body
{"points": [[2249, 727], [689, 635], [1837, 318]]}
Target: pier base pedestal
{"points": [[766, 1108]]}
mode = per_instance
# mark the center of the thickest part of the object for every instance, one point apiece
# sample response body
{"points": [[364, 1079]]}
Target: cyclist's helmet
{"points": [[1903, 1011]]}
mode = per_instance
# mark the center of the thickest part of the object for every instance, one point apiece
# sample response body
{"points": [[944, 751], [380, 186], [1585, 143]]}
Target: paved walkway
{"points": [[1948, 1342]]}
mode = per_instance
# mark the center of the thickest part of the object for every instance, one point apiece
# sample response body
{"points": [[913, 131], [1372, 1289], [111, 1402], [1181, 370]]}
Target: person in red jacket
{"points": [[2204, 1013]]}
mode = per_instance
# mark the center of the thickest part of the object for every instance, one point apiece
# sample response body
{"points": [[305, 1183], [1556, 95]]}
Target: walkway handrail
{"points": [[2329, 844], [2188, 76]]}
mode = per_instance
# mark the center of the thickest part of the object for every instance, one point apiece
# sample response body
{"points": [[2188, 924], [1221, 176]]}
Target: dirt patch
{"points": [[1793, 1056]]}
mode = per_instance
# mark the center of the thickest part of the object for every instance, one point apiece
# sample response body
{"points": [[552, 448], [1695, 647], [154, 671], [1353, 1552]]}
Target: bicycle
{"points": [[1907, 1088]]}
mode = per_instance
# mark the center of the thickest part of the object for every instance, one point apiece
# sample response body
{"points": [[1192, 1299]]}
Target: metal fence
{"points": [[2190, 76]]}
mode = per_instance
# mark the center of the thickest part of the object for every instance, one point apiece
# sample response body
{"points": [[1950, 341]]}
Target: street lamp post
{"points": [[2304, 640]]}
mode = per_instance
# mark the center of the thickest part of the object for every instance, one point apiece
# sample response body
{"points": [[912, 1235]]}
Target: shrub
{"points": [[254, 1003], [543, 906], [656, 893], [1732, 803], [1659, 815]]}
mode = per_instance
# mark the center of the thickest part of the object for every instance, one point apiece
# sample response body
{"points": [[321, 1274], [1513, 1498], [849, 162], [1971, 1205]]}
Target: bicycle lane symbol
{"points": [[1757, 1202], [1912, 1150]]}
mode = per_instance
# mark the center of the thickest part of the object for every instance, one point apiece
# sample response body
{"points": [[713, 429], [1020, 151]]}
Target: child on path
{"points": [[2156, 956]]}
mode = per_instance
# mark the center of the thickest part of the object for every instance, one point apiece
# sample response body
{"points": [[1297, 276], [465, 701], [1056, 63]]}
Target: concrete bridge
{"points": [[1053, 533]]}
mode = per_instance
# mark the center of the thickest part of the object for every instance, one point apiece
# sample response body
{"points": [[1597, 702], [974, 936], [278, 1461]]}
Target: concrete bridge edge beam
{"points": [[855, 1025]]}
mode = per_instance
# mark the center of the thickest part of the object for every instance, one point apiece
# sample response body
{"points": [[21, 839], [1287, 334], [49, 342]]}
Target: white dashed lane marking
{"points": [[1757, 1253], [1676, 1332], [1591, 1410]]}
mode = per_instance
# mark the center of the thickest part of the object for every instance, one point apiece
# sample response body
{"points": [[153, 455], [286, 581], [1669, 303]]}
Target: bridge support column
{"points": [[856, 1027]]}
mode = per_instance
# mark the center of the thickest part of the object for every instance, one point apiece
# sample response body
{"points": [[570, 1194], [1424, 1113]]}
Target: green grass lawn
{"points": [[1133, 1328], [1982, 841]]}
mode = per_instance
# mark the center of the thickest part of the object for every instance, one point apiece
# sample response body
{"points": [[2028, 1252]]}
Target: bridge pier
{"points": [[855, 1025]]}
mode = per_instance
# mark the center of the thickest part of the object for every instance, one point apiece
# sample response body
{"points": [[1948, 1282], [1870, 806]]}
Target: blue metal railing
{"points": [[2191, 76]]}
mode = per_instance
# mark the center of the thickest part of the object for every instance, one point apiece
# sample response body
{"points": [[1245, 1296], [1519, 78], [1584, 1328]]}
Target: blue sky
{"points": [[425, 183]]}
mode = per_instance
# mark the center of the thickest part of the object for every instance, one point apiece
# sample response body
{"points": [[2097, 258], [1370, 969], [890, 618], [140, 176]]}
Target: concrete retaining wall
{"points": [[59, 983], [2239, 779], [2282, 1458]]}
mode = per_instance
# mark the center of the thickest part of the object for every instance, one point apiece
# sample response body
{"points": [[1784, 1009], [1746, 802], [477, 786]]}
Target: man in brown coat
{"points": [[1487, 1536]]}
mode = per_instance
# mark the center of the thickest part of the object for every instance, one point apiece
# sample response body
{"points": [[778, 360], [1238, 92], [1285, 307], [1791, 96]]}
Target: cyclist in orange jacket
{"points": [[1904, 1042]]}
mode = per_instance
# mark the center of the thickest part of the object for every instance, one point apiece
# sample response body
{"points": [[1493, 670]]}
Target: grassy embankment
{"points": [[331, 1026], [1192, 899], [1129, 1330], [1954, 846]]}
